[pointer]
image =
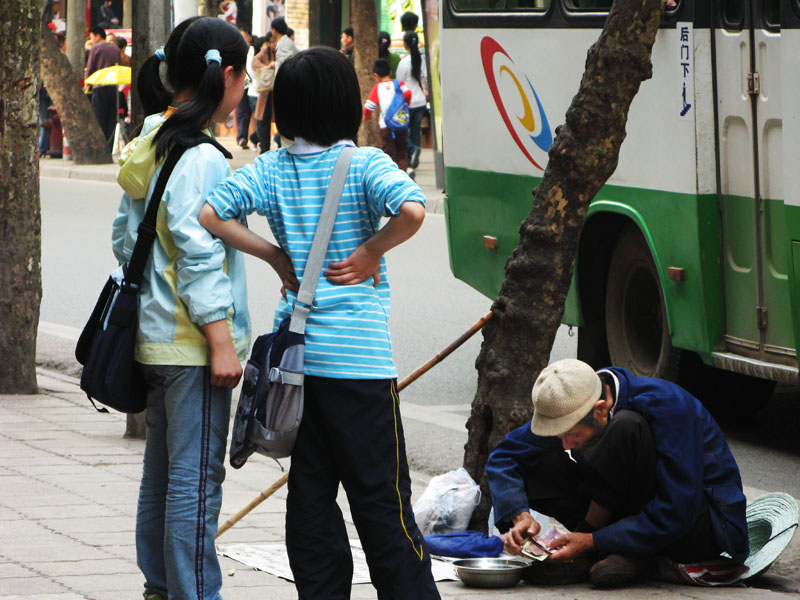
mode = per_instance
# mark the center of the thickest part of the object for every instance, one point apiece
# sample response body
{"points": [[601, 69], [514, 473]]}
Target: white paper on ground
{"points": [[272, 559]]}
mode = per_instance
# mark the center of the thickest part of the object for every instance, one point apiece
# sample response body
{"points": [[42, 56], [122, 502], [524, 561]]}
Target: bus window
{"points": [[733, 13], [590, 5], [772, 13], [501, 5]]}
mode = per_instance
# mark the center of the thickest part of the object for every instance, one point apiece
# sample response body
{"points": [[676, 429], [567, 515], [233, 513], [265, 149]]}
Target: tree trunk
{"points": [[86, 139], [150, 30], [245, 14], [529, 306], [365, 30], [76, 35], [20, 217]]}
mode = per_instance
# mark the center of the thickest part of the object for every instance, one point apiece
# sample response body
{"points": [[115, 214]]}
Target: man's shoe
{"points": [[153, 596], [553, 573], [411, 173], [617, 570]]}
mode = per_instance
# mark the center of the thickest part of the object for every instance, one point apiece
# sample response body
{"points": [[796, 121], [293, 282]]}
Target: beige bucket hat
{"points": [[563, 394]]}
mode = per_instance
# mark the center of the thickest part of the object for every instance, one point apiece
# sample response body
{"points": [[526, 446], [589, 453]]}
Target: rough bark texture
{"points": [[20, 216], [86, 140], [530, 304], [365, 30], [76, 34], [150, 30], [206, 8]]}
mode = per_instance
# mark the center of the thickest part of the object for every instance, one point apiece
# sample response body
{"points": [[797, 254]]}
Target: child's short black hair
{"points": [[289, 32], [317, 98], [97, 30], [409, 21], [348, 31], [381, 67], [279, 25]]}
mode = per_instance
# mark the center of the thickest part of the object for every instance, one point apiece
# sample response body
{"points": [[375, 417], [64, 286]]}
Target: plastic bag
{"points": [[447, 503]]}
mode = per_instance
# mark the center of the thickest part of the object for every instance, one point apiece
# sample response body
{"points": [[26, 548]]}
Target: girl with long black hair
{"points": [[193, 323], [413, 72]]}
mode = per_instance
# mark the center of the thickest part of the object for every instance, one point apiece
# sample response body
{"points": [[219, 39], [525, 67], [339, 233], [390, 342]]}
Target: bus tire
{"points": [[636, 315]]}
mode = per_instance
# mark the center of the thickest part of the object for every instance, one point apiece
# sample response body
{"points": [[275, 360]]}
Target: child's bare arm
{"points": [[226, 370], [233, 233], [365, 261]]}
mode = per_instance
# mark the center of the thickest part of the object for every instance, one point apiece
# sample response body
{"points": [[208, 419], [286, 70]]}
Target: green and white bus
{"points": [[692, 248]]}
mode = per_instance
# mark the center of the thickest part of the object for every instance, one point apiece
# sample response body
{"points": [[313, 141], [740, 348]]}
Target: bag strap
{"points": [[319, 247], [146, 233]]}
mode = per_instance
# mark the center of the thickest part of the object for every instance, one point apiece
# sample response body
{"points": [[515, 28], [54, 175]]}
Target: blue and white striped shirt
{"points": [[347, 332]]}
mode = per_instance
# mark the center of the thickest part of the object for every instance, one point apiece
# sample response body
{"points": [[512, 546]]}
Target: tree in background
{"points": [[20, 216], [365, 31], [86, 139], [530, 304]]}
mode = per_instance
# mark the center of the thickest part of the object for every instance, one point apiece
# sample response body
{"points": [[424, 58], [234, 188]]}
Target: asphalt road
{"points": [[430, 309]]}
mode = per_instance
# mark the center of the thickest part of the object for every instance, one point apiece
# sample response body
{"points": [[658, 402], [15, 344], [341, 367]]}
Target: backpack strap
{"points": [[319, 247], [146, 233]]}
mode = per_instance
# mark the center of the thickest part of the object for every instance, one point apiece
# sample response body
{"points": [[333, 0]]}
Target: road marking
{"points": [[62, 331]]}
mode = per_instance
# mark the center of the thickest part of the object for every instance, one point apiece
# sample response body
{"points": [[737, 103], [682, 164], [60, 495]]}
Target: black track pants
{"points": [[351, 433]]}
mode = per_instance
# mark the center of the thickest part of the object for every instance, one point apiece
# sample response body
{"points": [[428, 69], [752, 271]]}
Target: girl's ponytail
{"points": [[207, 46], [412, 41], [384, 41]]}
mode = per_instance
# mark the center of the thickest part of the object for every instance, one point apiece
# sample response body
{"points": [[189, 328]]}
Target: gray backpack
{"points": [[271, 401]]}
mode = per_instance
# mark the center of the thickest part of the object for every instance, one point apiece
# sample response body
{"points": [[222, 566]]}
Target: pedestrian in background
{"points": [[413, 72], [104, 97], [348, 43], [265, 59], [351, 431], [384, 42], [390, 98], [243, 109], [193, 322]]}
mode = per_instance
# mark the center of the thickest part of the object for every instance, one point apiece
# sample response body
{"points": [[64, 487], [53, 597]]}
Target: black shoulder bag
{"points": [[106, 344]]}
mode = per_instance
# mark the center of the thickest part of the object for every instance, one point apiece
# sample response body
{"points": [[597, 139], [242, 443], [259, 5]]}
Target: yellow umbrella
{"points": [[116, 75]]}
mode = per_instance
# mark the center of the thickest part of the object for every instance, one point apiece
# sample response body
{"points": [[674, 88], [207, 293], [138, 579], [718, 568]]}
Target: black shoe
{"points": [[413, 158], [617, 570], [254, 138], [243, 145]]}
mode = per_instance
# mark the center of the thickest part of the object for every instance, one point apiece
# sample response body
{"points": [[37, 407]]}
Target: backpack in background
{"points": [[397, 115]]}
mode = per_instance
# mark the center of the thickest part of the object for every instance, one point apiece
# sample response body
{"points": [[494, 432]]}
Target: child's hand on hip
{"points": [[283, 266], [359, 266]]}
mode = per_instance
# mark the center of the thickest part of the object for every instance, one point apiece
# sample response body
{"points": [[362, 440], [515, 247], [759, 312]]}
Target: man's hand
{"points": [[359, 266], [524, 526], [571, 546]]}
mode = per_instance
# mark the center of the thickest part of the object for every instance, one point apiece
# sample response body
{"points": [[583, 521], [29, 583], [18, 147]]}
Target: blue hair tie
{"points": [[213, 55], [160, 55]]}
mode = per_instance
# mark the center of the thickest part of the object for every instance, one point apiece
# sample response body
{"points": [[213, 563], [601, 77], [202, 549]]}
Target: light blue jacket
{"points": [[191, 277]]}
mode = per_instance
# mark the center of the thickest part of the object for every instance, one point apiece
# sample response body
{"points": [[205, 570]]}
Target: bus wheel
{"points": [[636, 318]]}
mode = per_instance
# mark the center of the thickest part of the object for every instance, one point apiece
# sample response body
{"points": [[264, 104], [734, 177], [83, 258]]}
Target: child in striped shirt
{"points": [[351, 431]]}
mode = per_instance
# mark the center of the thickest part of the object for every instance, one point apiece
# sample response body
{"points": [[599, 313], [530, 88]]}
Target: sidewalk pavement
{"points": [[58, 167], [68, 489]]}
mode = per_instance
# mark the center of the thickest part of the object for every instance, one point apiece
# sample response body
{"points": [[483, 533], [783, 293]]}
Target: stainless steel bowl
{"points": [[490, 572]]}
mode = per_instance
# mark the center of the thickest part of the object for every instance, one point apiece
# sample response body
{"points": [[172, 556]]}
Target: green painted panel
{"points": [[681, 228], [780, 329], [740, 267]]}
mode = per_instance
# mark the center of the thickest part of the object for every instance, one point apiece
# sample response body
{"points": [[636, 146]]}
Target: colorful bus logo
{"points": [[514, 93]]}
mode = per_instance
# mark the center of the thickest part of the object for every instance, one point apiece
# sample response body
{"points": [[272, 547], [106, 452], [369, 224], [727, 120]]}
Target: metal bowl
{"points": [[490, 572]]}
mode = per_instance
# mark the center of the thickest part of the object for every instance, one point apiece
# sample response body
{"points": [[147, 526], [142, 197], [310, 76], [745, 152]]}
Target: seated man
{"points": [[635, 467]]}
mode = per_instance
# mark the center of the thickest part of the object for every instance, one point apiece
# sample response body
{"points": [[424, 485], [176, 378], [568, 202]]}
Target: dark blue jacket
{"points": [[693, 459]]}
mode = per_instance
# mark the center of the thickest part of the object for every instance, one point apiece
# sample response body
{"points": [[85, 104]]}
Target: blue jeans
{"points": [[415, 128], [181, 490]]}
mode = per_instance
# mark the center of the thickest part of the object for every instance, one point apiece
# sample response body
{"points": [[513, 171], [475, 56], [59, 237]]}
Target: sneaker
{"points": [[411, 173], [413, 158], [553, 573], [152, 596], [617, 570]]}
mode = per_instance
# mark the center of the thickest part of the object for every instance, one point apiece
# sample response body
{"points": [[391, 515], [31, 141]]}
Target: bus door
{"points": [[754, 261]]}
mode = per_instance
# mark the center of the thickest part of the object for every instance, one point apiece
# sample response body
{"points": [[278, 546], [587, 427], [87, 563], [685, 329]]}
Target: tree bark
{"points": [[76, 35], [208, 8], [150, 30], [20, 216], [365, 30], [530, 304], [86, 140]]}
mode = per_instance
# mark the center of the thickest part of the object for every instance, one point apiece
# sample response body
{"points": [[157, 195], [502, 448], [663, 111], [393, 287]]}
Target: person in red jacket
{"points": [[391, 97]]}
